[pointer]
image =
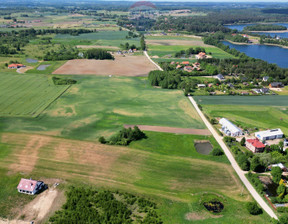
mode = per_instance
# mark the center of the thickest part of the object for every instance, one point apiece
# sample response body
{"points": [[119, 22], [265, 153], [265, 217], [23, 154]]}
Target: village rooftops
{"points": [[220, 77], [275, 84], [185, 63]]}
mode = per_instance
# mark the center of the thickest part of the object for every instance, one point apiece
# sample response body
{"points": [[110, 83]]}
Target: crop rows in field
{"points": [[26, 95]]}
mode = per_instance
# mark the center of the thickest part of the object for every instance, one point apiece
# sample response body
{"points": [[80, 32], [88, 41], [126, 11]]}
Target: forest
{"points": [[89, 205], [264, 27]]}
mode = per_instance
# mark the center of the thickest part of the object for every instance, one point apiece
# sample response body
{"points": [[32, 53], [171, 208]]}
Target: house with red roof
{"points": [[185, 63], [16, 66], [201, 55], [255, 145], [29, 186]]}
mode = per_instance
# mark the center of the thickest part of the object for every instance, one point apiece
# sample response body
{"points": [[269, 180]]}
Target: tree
{"points": [[283, 219], [242, 142], [276, 173], [142, 43], [217, 152], [256, 164], [253, 208], [281, 191], [102, 140], [243, 162]]}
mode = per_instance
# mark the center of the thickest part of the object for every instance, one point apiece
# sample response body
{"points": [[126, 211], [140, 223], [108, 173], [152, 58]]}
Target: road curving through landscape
{"points": [[233, 162]]}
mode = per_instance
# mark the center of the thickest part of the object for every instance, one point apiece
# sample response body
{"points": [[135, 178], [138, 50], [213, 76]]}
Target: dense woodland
{"points": [[87, 205], [264, 27]]}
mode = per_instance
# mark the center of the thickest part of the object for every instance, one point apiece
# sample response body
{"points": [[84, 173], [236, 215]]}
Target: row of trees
{"points": [[264, 27]]}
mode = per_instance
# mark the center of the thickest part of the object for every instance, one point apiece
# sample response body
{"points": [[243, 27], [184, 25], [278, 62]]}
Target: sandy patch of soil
{"points": [[188, 131], [122, 66], [24, 69], [276, 89], [27, 156], [97, 46], [62, 112], [194, 216]]}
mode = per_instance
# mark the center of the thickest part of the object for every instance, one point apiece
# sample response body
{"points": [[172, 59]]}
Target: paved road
{"points": [[233, 162]]}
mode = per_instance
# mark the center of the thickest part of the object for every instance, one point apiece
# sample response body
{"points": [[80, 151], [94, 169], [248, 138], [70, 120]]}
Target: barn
{"points": [[229, 128], [269, 134]]}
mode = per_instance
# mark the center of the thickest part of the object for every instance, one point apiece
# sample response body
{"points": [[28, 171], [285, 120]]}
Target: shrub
{"points": [[283, 219], [229, 139], [253, 208], [282, 209], [243, 162], [242, 142], [276, 173], [102, 140], [217, 152]]}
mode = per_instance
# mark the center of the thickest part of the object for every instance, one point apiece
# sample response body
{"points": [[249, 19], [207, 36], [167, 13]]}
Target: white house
{"points": [[201, 85], [265, 78], [269, 134], [28, 186], [229, 128]]}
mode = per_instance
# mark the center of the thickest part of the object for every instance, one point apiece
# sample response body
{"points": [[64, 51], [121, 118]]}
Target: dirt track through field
{"points": [[121, 66], [187, 131]]}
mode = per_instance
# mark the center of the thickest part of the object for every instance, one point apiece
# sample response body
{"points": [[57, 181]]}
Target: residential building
{"points": [[220, 77], [276, 85], [201, 55], [188, 68], [11, 66], [280, 165], [264, 90], [269, 134], [185, 63], [265, 78], [229, 128], [28, 186], [256, 91], [201, 85], [255, 145]]}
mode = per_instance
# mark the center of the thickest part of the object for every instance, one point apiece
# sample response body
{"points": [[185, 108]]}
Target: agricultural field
{"points": [[99, 105], [102, 38], [177, 180], [262, 117], [121, 66], [27, 96], [272, 100], [163, 48]]}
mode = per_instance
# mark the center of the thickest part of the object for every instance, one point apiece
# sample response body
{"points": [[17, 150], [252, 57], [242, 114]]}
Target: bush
{"points": [[217, 152], [282, 209], [102, 140], [276, 173], [229, 139], [243, 162], [125, 136], [253, 208], [283, 219], [242, 142], [62, 81]]}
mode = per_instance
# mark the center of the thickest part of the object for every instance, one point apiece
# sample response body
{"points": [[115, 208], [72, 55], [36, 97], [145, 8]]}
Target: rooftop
{"points": [[256, 143], [267, 133], [27, 184]]}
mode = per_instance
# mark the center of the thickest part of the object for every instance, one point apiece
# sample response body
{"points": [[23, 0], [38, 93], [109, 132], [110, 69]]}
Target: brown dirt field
{"points": [[27, 156], [187, 131], [177, 42], [97, 46], [121, 66]]}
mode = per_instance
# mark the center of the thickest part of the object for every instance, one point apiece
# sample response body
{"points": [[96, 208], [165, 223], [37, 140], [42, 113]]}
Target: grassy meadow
{"points": [[27, 95]]}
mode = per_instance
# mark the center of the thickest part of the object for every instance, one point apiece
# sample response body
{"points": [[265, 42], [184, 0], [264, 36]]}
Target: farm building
{"points": [[229, 128], [255, 145], [28, 186], [16, 66], [269, 134]]}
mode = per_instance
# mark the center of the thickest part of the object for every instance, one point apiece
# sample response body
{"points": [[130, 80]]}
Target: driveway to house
{"points": [[233, 162]]}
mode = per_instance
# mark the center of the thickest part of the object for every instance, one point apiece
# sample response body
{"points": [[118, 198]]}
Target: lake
{"points": [[240, 27], [271, 54]]}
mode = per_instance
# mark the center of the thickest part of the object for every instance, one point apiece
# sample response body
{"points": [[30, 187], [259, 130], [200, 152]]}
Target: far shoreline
{"points": [[239, 43]]}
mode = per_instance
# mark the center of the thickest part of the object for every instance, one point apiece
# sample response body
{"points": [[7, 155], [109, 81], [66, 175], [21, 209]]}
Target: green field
{"points": [[177, 182], [101, 105], [262, 117], [162, 50], [22, 95], [243, 100], [105, 38]]}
